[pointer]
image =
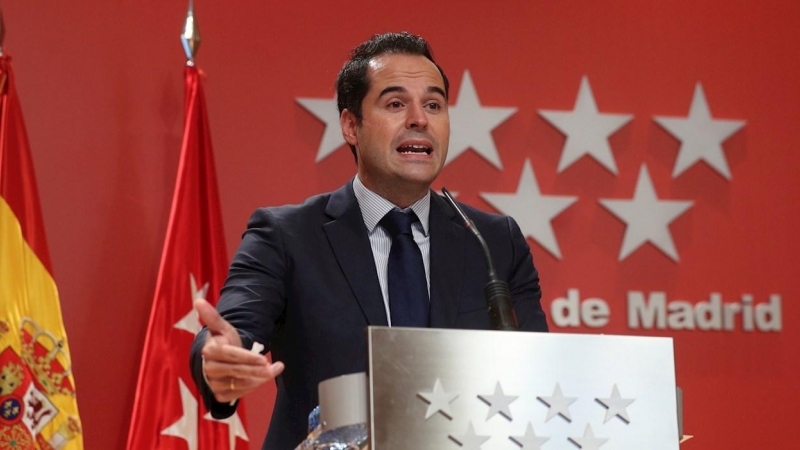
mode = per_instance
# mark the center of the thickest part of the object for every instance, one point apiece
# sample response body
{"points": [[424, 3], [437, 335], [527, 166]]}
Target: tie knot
{"points": [[398, 222]]}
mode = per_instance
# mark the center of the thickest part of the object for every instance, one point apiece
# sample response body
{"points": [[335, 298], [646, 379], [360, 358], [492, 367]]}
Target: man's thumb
{"points": [[209, 316]]}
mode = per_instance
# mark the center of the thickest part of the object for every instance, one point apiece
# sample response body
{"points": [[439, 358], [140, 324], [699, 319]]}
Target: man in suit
{"points": [[308, 279]]}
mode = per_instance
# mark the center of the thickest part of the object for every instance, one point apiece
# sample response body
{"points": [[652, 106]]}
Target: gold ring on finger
{"points": [[233, 383]]}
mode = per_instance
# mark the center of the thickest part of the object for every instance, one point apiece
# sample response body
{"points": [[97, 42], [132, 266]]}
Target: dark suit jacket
{"points": [[304, 283]]}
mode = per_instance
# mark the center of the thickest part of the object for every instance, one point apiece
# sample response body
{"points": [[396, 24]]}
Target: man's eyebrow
{"points": [[392, 89], [437, 90], [402, 90]]}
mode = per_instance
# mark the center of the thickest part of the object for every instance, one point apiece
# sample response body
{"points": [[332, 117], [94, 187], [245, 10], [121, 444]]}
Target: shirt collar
{"points": [[374, 207]]}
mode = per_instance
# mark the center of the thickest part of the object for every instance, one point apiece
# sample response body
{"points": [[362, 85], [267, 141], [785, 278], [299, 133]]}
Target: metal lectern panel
{"points": [[459, 390]]}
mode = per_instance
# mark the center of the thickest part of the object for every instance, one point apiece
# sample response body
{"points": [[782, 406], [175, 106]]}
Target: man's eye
{"points": [[395, 105], [434, 106]]}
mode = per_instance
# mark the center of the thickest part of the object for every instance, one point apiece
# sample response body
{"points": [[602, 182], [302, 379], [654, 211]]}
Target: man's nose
{"points": [[417, 117]]}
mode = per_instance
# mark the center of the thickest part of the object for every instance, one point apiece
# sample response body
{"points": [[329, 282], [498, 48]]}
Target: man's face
{"points": [[403, 136]]}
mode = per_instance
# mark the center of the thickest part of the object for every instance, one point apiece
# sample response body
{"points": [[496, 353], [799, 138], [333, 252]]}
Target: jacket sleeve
{"points": [[252, 299]]}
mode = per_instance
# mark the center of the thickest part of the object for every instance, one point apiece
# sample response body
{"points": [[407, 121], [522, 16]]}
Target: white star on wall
{"points": [[235, 428], [587, 130], [439, 400], [617, 406], [701, 136], [469, 440], [532, 210], [498, 403], [530, 441], [328, 112], [186, 427], [588, 441], [559, 405], [471, 124], [191, 321], [647, 217]]}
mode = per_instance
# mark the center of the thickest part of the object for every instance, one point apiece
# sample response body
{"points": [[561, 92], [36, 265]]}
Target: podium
{"points": [[465, 389]]}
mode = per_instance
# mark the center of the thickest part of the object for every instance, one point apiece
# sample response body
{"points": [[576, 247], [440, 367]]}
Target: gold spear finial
{"points": [[190, 38]]}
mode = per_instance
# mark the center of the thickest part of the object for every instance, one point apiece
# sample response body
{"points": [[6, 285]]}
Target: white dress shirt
{"points": [[373, 208]]}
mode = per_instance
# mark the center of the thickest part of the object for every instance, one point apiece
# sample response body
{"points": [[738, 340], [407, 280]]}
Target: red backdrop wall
{"points": [[102, 91]]}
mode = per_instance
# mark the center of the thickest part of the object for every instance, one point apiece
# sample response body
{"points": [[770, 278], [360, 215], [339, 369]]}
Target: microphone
{"points": [[498, 296]]}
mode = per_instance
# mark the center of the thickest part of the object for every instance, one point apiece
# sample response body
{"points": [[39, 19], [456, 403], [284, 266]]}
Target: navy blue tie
{"points": [[408, 289]]}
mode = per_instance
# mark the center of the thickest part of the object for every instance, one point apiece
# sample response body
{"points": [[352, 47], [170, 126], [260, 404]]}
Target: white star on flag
{"points": [[617, 406], [191, 321], [558, 404], [471, 124], [532, 210], [588, 441], [647, 217], [587, 129], [235, 428], [530, 441], [328, 112], [438, 400], [186, 427], [498, 402], [469, 440], [701, 136]]}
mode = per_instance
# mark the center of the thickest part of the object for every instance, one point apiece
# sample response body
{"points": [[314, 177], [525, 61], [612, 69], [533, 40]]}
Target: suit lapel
{"points": [[446, 262], [348, 238]]}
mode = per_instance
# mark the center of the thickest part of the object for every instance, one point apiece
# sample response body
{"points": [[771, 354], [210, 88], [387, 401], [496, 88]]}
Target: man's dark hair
{"points": [[352, 84]]}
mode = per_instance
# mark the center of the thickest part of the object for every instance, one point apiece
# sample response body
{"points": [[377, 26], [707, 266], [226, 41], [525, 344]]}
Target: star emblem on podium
{"points": [[469, 440], [530, 441], [558, 403], [498, 403], [616, 405], [438, 400], [588, 441]]}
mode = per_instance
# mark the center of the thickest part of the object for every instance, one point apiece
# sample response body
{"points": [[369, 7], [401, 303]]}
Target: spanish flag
{"points": [[38, 409]]}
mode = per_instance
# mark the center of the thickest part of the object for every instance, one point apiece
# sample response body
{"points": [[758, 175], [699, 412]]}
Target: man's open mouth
{"points": [[414, 149]]}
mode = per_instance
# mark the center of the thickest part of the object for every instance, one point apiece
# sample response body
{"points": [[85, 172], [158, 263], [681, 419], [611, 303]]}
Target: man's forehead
{"points": [[395, 66]]}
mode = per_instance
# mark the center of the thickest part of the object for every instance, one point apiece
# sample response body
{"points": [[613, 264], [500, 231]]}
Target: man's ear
{"points": [[349, 124]]}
